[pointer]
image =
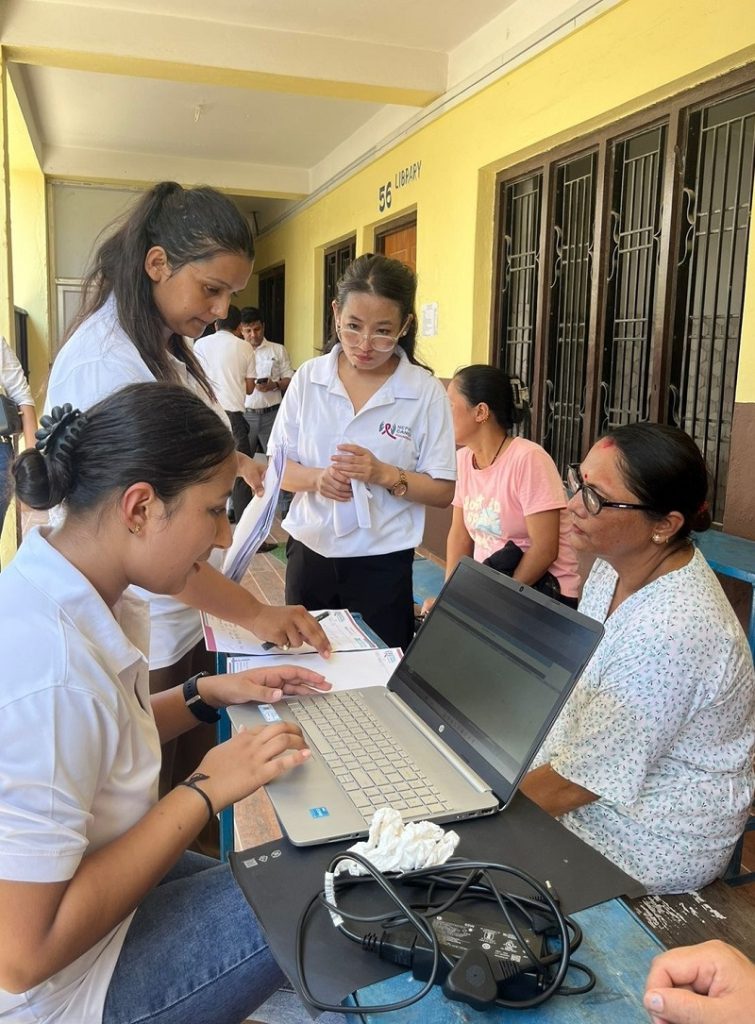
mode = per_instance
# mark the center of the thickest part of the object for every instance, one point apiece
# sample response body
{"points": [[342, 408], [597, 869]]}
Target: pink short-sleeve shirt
{"points": [[496, 500]]}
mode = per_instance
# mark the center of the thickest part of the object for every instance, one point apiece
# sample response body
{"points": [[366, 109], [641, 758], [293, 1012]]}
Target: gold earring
{"points": [[657, 539], [135, 529]]}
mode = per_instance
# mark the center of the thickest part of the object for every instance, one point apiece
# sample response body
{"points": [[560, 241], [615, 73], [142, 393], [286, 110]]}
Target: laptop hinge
{"points": [[440, 745]]}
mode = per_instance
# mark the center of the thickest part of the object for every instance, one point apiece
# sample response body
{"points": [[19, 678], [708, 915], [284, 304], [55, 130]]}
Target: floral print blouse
{"points": [[661, 727]]}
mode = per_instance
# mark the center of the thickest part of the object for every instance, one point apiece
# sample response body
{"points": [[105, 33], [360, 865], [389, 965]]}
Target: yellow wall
{"points": [[28, 224], [27, 287], [636, 54], [8, 539]]}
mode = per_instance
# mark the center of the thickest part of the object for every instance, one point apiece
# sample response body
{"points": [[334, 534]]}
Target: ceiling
{"points": [[270, 100]]}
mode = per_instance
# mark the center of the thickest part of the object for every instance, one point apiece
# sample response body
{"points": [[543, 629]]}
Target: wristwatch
{"points": [[401, 486], [194, 702]]}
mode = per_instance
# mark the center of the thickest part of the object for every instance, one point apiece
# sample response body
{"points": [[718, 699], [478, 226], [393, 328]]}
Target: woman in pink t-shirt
{"points": [[507, 488]]}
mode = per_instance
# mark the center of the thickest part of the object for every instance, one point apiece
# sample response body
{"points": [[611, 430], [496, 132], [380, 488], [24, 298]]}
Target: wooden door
{"points": [[400, 244]]}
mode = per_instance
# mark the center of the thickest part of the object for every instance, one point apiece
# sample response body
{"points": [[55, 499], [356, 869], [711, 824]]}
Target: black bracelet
{"points": [[194, 702], [191, 783]]}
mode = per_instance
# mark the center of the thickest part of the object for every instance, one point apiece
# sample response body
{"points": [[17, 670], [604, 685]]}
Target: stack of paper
{"points": [[345, 670], [257, 520], [339, 625]]}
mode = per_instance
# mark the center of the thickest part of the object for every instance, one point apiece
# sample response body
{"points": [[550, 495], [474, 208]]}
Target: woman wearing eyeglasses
{"points": [[370, 443], [651, 759]]}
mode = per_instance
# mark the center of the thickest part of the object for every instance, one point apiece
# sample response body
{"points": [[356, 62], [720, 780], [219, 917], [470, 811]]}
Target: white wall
{"points": [[79, 214]]}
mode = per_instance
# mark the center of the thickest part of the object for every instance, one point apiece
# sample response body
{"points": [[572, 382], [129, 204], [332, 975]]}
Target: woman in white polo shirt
{"points": [[370, 443], [167, 272], [104, 918]]}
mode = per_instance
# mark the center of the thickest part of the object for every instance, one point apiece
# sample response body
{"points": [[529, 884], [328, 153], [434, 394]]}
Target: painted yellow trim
{"points": [[142, 67], [137, 185]]}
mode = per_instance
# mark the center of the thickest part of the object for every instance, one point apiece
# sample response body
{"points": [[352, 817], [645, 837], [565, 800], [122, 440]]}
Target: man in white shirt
{"points": [[266, 385], [265, 389], [228, 361]]}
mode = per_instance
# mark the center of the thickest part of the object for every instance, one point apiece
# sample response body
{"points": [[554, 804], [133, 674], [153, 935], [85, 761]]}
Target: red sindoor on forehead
{"points": [[606, 442]]}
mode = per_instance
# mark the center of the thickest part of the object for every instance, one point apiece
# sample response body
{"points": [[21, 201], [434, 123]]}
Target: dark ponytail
{"points": [[160, 434], [482, 383], [191, 225]]}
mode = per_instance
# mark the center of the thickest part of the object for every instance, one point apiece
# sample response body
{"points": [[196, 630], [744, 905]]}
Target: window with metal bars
{"points": [[337, 260], [718, 177], [621, 272], [520, 245], [566, 378]]}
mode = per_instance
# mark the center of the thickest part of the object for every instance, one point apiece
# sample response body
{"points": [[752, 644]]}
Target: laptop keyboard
{"points": [[372, 768]]}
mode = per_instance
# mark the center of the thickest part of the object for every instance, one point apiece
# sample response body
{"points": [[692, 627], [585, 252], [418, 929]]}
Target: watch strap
{"points": [[194, 702], [401, 486]]}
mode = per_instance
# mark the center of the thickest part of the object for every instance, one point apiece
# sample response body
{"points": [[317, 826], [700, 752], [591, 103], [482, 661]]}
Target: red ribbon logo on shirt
{"points": [[395, 431]]}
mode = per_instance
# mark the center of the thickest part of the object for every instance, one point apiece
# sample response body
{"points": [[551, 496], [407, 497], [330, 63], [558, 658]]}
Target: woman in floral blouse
{"points": [[651, 761]]}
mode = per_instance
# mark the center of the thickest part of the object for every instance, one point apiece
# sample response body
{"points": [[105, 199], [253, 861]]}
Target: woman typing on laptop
{"points": [[650, 761], [104, 918]]}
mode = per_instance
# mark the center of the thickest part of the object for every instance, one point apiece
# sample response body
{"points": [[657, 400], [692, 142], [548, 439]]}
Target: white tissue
{"points": [[393, 846], [348, 515]]}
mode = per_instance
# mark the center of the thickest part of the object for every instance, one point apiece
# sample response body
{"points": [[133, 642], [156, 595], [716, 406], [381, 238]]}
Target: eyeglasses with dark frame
{"points": [[593, 501], [380, 342]]}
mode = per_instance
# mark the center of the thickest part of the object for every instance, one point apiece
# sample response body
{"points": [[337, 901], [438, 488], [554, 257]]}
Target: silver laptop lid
{"points": [[491, 668]]}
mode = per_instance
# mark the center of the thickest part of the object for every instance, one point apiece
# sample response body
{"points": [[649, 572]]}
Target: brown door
{"points": [[400, 244]]}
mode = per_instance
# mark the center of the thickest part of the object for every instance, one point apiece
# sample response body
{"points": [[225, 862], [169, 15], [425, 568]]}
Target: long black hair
{"points": [[388, 279], [161, 434], [191, 225]]}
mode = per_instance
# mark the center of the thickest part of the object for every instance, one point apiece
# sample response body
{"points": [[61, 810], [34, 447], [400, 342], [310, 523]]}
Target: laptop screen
{"points": [[491, 668]]}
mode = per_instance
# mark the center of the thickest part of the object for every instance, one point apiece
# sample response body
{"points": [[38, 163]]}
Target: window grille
{"points": [[570, 309], [648, 327], [718, 174], [520, 260], [337, 260], [634, 234]]}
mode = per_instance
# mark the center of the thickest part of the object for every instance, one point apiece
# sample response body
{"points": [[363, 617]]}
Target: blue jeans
{"points": [[194, 953]]}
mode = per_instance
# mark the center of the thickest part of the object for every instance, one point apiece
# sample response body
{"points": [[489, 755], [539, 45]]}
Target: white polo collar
{"points": [[120, 636], [404, 382]]}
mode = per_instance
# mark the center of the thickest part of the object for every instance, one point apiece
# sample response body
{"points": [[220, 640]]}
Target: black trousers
{"points": [[378, 587], [242, 492]]}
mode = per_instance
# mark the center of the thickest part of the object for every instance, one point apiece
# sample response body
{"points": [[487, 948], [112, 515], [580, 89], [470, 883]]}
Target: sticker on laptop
{"points": [[319, 812], [269, 713]]}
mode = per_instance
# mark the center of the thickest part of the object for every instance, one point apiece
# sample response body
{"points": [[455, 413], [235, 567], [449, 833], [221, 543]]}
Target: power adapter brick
{"points": [[481, 962]]}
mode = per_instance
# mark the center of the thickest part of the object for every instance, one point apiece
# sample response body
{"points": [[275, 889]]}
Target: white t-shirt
{"points": [[98, 359], [662, 727], [269, 360], [79, 749], [12, 379], [227, 361], [406, 423]]}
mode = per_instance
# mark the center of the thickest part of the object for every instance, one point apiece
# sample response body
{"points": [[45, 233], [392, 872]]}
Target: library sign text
{"points": [[401, 179]]}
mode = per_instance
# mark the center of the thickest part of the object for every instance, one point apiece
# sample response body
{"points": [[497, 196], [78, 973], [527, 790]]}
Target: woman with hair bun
{"points": [[104, 916], [509, 504], [651, 760]]}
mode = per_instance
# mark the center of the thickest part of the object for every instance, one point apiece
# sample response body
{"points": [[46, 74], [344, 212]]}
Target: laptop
{"points": [[458, 724]]}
